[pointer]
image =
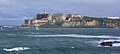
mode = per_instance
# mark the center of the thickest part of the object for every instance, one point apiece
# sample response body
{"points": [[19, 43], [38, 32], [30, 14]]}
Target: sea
{"points": [[59, 41]]}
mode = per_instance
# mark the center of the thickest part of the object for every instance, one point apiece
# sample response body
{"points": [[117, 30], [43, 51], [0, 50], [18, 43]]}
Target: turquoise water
{"points": [[59, 41]]}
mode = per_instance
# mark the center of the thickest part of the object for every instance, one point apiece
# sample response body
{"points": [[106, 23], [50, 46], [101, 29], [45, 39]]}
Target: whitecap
{"points": [[11, 34], [72, 47], [75, 35], [116, 44], [16, 49], [109, 40]]}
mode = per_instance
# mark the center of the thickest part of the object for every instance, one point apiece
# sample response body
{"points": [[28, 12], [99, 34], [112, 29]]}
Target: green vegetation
{"points": [[85, 18], [57, 24], [46, 25]]}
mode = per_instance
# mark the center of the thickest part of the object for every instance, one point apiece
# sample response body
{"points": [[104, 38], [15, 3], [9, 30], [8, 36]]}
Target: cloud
{"points": [[8, 19], [12, 10], [19, 8], [91, 1], [24, 17], [4, 2]]}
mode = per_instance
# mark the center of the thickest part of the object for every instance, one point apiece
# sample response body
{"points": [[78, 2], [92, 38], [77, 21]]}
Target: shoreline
{"points": [[19, 27]]}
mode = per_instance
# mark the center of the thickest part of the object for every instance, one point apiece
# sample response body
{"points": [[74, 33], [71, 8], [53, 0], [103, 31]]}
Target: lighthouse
{"points": [[44, 12]]}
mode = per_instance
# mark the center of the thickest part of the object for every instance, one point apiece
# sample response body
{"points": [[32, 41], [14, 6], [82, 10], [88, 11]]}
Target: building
{"points": [[28, 22], [44, 18], [56, 16], [39, 22], [113, 17]]}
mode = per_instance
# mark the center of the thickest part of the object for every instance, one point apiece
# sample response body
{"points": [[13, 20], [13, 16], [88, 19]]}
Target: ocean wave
{"points": [[16, 49], [33, 33], [109, 40], [11, 34], [75, 35]]}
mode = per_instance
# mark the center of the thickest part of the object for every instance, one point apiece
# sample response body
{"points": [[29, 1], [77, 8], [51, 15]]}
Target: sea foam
{"points": [[75, 35], [16, 49]]}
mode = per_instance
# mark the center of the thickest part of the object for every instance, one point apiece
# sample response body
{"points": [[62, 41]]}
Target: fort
{"points": [[70, 20], [41, 19]]}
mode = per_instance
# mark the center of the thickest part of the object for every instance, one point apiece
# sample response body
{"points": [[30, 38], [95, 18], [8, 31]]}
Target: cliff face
{"points": [[76, 24], [92, 22]]}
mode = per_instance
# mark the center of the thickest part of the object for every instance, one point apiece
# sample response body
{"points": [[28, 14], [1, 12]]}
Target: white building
{"points": [[113, 17]]}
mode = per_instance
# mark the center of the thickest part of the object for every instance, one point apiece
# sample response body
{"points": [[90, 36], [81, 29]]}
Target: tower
{"points": [[45, 12]]}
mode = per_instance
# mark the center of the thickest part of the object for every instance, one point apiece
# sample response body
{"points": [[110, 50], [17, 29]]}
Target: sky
{"points": [[13, 12]]}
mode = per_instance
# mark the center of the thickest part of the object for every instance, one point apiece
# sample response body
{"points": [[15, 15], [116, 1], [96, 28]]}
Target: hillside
{"points": [[86, 22]]}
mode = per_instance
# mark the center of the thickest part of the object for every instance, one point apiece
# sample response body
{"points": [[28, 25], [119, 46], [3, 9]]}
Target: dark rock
{"points": [[116, 41], [110, 43], [106, 43]]}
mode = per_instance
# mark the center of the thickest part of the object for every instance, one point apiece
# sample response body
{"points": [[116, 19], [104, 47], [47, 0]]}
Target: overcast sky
{"points": [[13, 12]]}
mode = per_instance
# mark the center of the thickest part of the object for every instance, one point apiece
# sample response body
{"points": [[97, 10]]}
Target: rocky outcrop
{"points": [[107, 43], [92, 23], [110, 43]]}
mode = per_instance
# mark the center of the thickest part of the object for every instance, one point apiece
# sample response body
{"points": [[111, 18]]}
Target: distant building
{"points": [[56, 16], [39, 22], [41, 16], [44, 18], [113, 17], [28, 22]]}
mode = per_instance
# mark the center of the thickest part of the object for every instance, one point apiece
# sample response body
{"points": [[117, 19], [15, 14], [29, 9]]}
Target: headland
{"points": [[71, 21]]}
